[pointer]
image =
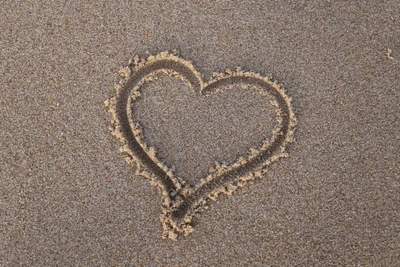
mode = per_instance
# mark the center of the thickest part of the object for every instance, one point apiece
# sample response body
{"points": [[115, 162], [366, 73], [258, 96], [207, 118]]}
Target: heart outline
{"points": [[180, 202]]}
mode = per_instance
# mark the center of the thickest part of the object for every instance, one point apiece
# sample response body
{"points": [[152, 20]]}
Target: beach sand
{"points": [[68, 197]]}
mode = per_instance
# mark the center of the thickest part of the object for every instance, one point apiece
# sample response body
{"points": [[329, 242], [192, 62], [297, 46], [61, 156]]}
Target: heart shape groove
{"points": [[182, 201]]}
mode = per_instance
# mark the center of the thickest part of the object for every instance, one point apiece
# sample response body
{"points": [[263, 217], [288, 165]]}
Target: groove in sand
{"points": [[182, 202]]}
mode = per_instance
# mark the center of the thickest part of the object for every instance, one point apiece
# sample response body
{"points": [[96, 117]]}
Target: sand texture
{"points": [[69, 198]]}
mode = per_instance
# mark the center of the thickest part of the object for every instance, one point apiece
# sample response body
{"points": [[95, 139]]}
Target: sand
{"points": [[68, 197]]}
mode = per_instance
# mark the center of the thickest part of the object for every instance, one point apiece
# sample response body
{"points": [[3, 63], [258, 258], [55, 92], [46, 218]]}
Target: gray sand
{"points": [[67, 197]]}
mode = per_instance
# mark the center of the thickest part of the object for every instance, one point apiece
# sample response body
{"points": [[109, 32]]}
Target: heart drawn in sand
{"points": [[182, 201]]}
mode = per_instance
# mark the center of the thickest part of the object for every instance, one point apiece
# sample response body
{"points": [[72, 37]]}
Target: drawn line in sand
{"points": [[182, 202]]}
